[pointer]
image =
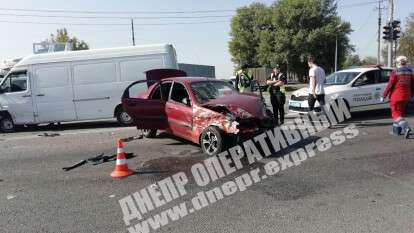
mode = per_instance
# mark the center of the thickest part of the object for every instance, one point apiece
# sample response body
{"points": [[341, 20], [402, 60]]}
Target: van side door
{"points": [[95, 86], [16, 97], [53, 93]]}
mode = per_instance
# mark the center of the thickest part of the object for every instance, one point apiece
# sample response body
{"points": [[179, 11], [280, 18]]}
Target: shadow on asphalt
{"points": [[179, 141], [69, 126], [289, 149], [170, 164]]}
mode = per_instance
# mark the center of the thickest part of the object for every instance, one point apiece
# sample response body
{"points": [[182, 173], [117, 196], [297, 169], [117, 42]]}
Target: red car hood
{"points": [[250, 103]]}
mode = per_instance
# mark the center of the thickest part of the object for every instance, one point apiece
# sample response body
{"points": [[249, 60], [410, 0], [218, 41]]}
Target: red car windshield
{"points": [[205, 91]]}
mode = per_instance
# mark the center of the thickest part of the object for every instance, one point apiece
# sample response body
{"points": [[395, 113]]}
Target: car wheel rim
{"points": [[8, 125], [210, 142], [125, 117], [145, 131]]}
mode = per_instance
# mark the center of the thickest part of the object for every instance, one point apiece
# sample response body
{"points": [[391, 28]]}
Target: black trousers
{"points": [[278, 103], [312, 100]]}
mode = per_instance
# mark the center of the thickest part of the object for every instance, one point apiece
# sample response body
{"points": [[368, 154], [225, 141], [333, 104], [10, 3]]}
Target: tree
{"points": [[351, 61], [298, 28], [369, 61], [62, 36], [245, 33], [406, 47]]}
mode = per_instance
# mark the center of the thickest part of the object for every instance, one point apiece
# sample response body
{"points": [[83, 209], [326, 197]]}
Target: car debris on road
{"points": [[99, 159], [49, 135]]}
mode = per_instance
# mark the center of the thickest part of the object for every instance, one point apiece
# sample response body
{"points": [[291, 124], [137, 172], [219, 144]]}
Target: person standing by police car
{"points": [[316, 85], [276, 82], [400, 90], [244, 80]]}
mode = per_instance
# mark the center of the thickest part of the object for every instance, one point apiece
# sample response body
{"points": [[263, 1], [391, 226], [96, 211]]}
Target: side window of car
{"points": [[136, 89], [165, 88], [16, 82], [179, 94], [156, 95], [367, 78], [384, 77]]}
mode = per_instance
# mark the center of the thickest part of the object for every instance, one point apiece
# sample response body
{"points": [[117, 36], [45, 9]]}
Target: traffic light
{"points": [[396, 29], [387, 32]]}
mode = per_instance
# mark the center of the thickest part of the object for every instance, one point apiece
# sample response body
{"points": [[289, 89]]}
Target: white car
{"points": [[360, 88]]}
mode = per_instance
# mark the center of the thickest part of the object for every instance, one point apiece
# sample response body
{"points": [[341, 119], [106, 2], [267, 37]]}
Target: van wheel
{"points": [[7, 125], [211, 141], [149, 133], [123, 118]]}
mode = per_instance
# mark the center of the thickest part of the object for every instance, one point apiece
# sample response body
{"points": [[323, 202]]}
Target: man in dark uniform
{"points": [[276, 82]]}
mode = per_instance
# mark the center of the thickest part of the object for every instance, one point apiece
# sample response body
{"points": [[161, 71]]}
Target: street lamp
{"points": [[336, 46], [336, 53]]}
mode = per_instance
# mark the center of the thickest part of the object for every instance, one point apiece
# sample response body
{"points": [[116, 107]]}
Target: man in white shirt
{"points": [[316, 84]]}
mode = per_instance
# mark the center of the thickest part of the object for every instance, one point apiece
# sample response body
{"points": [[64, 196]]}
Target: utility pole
{"points": [[379, 31], [133, 32], [336, 45], [336, 53], [390, 42]]}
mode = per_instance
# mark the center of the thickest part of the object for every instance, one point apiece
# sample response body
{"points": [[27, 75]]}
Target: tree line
{"points": [[288, 31]]}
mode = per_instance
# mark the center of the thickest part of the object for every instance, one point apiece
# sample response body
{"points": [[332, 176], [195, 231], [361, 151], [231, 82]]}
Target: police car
{"points": [[360, 88]]}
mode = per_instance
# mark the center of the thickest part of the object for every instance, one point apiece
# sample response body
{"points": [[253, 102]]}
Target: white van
{"points": [[77, 85]]}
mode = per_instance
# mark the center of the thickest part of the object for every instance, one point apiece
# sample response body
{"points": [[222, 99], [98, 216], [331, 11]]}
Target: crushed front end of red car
{"points": [[246, 114]]}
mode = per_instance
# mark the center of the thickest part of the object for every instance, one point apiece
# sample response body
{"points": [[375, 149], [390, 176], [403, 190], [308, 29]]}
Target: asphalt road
{"points": [[365, 184]]}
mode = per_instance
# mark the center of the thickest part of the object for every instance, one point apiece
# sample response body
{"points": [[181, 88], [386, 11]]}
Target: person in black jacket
{"points": [[276, 82]]}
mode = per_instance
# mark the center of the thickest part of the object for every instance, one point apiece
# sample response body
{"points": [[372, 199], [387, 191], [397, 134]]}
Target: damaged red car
{"points": [[205, 111]]}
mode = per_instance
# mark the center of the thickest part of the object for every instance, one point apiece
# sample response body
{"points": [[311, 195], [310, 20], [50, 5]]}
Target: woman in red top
{"points": [[400, 90]]}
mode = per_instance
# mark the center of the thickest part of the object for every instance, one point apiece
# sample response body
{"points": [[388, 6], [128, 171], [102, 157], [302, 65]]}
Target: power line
{"points": [[116, 17], [115, 12], [127, 17], [358, 4], [148, 12], [113, 24], [366, 21]]}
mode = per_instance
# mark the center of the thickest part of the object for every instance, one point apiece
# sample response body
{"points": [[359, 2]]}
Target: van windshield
{"points": [[341, 78]]}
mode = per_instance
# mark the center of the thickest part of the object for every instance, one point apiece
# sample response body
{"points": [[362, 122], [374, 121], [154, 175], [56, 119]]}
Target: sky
{"points": [[203, 43]]}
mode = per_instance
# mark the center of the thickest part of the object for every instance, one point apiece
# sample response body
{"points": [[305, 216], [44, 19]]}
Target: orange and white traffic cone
{"points": [[121, 167]]}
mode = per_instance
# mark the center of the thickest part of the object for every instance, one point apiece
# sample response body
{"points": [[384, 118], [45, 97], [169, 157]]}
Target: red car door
{"points": [[147, 113], [179, 111]]}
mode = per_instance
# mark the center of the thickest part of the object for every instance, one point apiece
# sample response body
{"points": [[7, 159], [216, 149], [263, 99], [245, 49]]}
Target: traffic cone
{"points": [[121, 167]]}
